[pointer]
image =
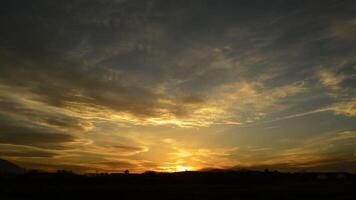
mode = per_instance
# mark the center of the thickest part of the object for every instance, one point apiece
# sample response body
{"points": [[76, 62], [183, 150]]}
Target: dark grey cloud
{"points": [[55, 167], [117, 53], [127, 148], [26, 153], [119, 166], [46, 118], [332, 164], [33, 136]]}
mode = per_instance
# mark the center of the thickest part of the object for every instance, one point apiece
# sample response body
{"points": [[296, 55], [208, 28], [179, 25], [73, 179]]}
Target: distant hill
{"points": [[8, 167]]}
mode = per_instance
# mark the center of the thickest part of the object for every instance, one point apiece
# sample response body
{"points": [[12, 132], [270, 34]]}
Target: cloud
{"points": [[329, 79], [56, 167], [249, 101], [179, 155], [335, 147], [41, 115], [343, 29], [113, 150], [89, 167], [77, 75], [117, 165], [120, 60], [347, 108], [334, 164], [35, 137], [18, 151]]}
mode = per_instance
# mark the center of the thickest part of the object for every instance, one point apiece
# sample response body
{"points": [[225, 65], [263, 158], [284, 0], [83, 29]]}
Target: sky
{"points": [[164, 85]]}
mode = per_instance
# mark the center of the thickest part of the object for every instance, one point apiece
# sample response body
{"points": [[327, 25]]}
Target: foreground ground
{"points": [[180, 186]]}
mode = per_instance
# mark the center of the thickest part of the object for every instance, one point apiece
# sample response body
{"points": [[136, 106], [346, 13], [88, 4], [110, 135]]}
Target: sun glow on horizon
{"points": [[182, 168]]}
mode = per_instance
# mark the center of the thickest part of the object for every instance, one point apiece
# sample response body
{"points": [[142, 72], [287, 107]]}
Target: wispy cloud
{"points": [[101, 90]]}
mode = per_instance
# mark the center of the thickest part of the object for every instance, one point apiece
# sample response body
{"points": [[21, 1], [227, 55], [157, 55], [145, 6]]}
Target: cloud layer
{"points": [[100, 84]]}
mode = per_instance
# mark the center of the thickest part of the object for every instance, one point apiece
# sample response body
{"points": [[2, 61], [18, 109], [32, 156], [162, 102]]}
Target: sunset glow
{"points": [[181, 168], [171, 86]]}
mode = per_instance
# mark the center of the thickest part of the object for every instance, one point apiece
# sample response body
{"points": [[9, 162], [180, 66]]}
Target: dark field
{"points": [[185, 185]]}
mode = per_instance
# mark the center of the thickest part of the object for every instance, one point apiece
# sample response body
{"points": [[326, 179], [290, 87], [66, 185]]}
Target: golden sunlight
{"points": [[182, 168]]}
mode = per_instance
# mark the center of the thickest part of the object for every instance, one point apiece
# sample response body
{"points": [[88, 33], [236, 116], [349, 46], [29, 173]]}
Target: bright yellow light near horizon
{"points": [[182, 168], [176, 168]]}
